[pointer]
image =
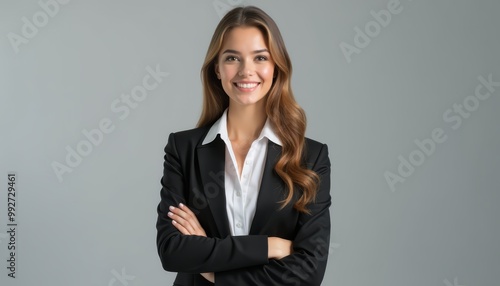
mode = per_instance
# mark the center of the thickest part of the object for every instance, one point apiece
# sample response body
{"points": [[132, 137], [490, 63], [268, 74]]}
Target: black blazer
{"points": [[194, 175]]}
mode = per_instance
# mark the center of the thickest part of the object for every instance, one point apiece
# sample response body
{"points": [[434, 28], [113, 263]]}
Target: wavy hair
{"points": [[286, 116]]}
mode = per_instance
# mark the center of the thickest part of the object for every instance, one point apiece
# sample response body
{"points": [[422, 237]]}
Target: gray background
{"points": [[438, 227]]}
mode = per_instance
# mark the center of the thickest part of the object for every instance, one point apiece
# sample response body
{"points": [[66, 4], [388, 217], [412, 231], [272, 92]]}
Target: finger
{"points": [[189, 217], [190, 214], [178, 211], [179, 227], [186, 209], [185, 215], [180, 214], [181, 224]]}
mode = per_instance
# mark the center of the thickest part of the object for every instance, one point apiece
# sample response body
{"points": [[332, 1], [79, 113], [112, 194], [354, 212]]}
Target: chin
{"points": [[250, 101]]}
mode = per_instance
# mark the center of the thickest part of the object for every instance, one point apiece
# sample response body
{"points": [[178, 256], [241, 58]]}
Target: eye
{"points": [[231, 58], [261, 58]]}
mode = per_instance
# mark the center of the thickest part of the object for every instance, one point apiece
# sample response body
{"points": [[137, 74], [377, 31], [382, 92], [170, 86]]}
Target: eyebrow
{"points": [[238, 53]]}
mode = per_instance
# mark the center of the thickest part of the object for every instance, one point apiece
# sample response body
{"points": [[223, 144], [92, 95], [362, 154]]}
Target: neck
{"points": [[244, 123]]}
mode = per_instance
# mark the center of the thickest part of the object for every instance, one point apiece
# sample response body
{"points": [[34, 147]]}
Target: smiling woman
{"points": [[245, 67], [245, 196]]}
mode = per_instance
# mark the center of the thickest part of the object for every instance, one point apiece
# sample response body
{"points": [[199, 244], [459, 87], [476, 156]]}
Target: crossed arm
{"points": [[186, 222], [243, 260]]}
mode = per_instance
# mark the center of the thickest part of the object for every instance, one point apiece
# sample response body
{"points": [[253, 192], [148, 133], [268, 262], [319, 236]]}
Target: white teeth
{"points": [[246, 85]]}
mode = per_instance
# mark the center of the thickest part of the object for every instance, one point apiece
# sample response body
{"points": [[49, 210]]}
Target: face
{"points": [[245, 66]]}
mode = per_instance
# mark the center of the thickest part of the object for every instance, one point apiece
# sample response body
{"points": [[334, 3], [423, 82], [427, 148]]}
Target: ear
{"points": [[216, 68]]}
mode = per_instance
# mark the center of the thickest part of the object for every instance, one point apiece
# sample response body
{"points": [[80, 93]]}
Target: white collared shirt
{"points": [[242, 192]]}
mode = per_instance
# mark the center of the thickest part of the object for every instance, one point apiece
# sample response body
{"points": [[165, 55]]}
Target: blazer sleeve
{"points": [[197, 254], [307, 264]]}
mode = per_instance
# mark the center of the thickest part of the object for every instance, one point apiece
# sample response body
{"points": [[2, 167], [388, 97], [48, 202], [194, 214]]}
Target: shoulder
{"points": [[191, 135], [187, 138], [312, 147], [313, 144], [315, 151]]}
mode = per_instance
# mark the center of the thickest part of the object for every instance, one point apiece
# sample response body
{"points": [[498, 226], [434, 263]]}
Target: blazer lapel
{"points": [[211, 162], [270, 191]]}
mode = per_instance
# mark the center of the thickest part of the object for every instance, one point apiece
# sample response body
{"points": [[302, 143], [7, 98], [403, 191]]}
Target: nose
{"points": [[246, 68]]}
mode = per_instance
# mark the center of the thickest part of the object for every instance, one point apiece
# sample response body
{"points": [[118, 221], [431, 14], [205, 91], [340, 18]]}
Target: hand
{"points": [[278, 247], [185, 221], [209, 276]]}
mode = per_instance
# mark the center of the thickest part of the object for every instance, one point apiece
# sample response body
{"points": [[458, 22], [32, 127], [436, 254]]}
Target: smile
{"points": [[246, 85]]}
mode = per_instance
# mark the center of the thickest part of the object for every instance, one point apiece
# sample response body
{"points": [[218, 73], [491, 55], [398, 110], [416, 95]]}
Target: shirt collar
{"points": [[220, 127]]}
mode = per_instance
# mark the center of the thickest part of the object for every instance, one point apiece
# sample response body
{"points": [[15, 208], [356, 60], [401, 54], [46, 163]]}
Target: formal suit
{"points": [[194, 175]]}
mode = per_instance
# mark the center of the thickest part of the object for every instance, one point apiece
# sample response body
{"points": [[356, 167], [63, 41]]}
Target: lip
{"points": [[246, 89]]}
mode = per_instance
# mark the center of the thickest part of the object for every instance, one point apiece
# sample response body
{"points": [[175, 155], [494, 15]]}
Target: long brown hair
{"points": [[286, 116]]}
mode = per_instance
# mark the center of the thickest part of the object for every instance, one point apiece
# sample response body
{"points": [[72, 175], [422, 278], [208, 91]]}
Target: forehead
{"points": [[244, 38]]}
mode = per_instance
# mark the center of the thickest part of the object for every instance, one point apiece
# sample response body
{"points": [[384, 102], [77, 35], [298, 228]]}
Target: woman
{"points": [[245, 196]]}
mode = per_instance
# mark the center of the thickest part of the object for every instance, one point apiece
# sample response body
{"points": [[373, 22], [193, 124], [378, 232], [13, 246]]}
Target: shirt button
{"points": [[238, 193], [248, 162], [238, 225]]}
